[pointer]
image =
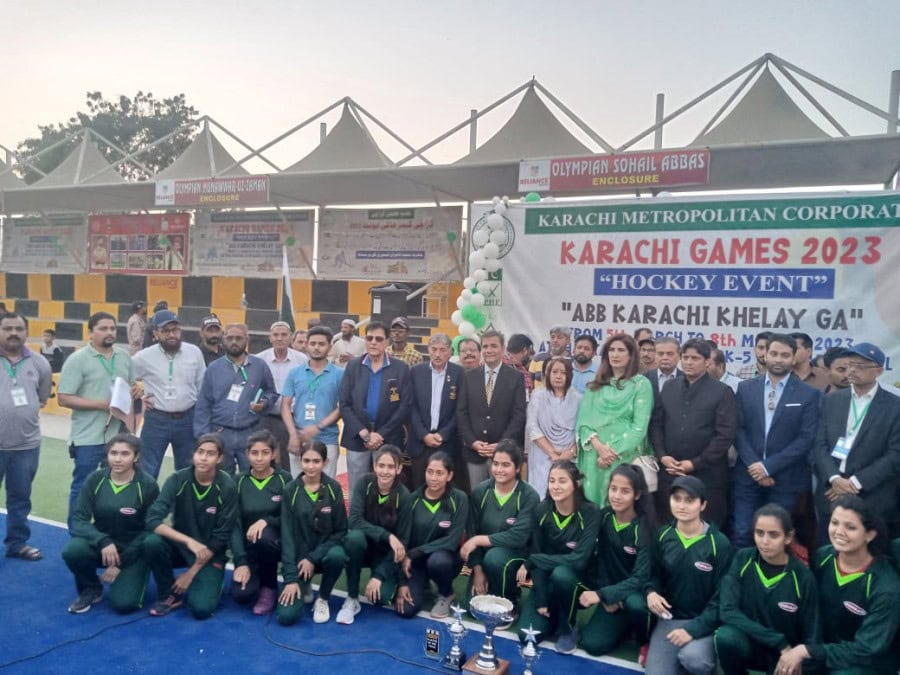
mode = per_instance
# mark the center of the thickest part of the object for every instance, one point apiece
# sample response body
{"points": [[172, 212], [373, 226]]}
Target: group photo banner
{"points": [[54, 244], [722, 269], [139, 243], [249, 243], [414, 244]]}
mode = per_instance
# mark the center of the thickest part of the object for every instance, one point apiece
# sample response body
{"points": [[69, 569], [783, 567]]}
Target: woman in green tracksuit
{"points": [[688, 560], [563, 537], [767, 600], [108, 529], [380, 522], [203, 504], [256, 538], [439, 516], [859, 598], [623, 554], [500, 513], [313, 526]]}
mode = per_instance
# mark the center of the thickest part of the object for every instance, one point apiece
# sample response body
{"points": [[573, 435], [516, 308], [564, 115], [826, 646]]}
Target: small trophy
{"points": [[529, 650], [492, 611], [455, 657]]}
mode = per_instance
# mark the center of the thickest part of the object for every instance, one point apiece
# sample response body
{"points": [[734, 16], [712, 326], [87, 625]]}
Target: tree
{"points": [[129, 123]]}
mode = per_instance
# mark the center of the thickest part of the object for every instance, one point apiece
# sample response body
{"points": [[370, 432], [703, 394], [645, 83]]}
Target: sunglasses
{"points": [[375, 338]]}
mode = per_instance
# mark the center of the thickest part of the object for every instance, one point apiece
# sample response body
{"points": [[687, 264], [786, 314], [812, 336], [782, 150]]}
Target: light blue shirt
{"points": [[437, 390], [320, 392], [581, 378]]}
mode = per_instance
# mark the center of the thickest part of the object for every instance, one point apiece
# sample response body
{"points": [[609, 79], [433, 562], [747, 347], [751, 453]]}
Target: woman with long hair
{"points": [[563, 536], [859, 598], [612, 420], [256, 541], [550, 429], [109, 528], [380, 522]]}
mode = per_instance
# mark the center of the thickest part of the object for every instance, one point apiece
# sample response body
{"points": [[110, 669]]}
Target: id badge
{"points": [[309, 412], [169, 393], [841, 448], [19, 396], [234, 394]]}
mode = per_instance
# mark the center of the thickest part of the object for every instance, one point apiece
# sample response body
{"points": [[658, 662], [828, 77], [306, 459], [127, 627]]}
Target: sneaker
{"points": [[265, 603], [441, 609], [567, 641], [85, 600], [348, 611], [163, 607], [308, 595], [321, 611]]}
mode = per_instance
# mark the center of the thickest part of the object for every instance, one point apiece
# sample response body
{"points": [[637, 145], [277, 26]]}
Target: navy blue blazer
{"points": [[420, 407], [787, 450], [393, 403]]}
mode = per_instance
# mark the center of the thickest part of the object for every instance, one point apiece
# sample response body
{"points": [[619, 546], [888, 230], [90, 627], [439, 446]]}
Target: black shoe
{"points": [[86, 599], [163, 607]]}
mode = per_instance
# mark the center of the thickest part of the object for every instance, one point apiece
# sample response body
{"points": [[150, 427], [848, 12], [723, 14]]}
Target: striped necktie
{"points": [[489, 388]]}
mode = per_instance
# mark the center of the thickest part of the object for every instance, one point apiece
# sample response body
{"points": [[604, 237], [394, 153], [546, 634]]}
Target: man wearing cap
{"points": [[211, 339], [400, 347], [136, 327], [558, 345], [519, 350], [172, 372], [281, 360], [149, 337], [346, 345], [584, 370], [857, 448], [236, 390]]}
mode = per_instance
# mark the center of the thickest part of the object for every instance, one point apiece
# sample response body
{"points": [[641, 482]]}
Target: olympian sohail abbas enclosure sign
{"points": [[723, 269]]}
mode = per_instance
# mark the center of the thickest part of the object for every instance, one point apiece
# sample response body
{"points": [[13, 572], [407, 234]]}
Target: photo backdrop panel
{"points": [[55, 244]]}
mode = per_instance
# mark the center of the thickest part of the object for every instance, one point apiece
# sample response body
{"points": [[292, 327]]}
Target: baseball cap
{"points": [[400, 321], [211, 320], [163, 317], [869, 352], [690, 484]]}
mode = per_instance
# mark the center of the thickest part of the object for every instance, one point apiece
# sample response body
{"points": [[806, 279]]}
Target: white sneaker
{"points": [[441, 609], [348, 611], [308, 594], [321, 612]]}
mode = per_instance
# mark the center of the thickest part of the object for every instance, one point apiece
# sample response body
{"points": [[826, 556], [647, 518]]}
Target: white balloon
{"points": [[478, 275], [469, 282], [548, 198], [466, 295], [491, 265], [484, 287], [476, 260], [500, 209], [498, 237], [494, 221], [481, 237], [495, 200], [664, 194], [456, 317], [478, 300], [490, 250], [460, 303], [467, 329]]}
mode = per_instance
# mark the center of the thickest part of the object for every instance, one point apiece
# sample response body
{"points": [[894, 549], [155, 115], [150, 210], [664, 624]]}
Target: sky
{"points": [[261, 68]]}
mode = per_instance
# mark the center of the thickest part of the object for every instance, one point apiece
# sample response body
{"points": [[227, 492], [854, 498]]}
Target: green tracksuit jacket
{"points": [[257, 500], [623, 557], [508, 524], [437, 530], [563, 541], [310, 526]]}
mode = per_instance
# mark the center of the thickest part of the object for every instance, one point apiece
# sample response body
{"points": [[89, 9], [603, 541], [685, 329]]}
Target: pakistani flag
{"points": [[286, 312]]}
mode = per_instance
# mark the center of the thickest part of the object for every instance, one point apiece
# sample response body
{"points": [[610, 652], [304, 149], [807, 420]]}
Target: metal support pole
{"points": [[473, 130], [660, 113], [894, 102], [323, 131]]}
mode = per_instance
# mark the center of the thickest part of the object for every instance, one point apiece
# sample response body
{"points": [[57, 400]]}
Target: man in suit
{"points": [[777, 420], [374, 402], [857, 447], [491, 408], [434, 393], [668, 351]]}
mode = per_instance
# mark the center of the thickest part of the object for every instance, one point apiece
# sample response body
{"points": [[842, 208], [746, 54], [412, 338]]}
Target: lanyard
{"points": [[172, 361], [12, 368], [312, 379], [108, 366], [857, 418], [240, 368]]}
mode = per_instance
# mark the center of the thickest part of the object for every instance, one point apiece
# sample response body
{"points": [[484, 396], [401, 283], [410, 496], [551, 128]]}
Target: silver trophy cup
{"points": [[492, 611]]}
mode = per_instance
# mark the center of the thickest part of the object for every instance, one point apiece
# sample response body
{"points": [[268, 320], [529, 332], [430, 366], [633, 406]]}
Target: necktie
{"points": [[489, 389]]}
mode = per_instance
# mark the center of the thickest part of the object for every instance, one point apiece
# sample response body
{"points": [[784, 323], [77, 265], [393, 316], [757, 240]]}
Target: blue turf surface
{"points": [[37, 634]]}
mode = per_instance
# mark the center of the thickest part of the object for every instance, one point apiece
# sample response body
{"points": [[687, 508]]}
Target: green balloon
{"points": [[480, 321], [532, 197], [456, 341], [451, 237], [290, 241], [470, 313], [163, 240]]}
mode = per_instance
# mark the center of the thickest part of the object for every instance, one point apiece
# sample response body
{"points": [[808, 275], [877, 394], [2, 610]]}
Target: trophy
{"points": [[455, 657], [492, 611], [529, 650]]}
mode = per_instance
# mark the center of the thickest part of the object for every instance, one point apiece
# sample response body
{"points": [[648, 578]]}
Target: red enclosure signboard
{"points": [[139, 244], [631, 171]]}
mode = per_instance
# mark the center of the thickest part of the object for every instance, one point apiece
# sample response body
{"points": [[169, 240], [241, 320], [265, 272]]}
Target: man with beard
{"points": [[85, 386], [777, 420], [24, 389], [309, 402], [346, 345], [236, 390], [692, 427], [211, 339], [519, 350], [558, 346], [584, 370], [172, 372], [401, 348], [758, 366]]}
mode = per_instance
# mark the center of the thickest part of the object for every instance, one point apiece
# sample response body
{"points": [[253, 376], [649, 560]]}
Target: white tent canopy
{"points": [[205, 157], [84, 166], [8, 179]]}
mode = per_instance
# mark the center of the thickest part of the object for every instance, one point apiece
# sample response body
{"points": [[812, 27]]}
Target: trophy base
{"points": [[454, 662], [472, 667]]}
